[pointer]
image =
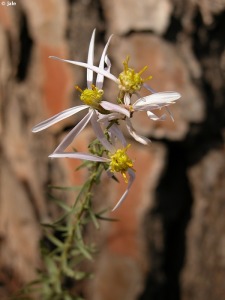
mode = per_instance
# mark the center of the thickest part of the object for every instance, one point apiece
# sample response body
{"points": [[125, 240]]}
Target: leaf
{"points": [[60, 203], [106, 219], [100, 217], [94, 219], [56, 223], [66, 188], [83, 165], [85, 253], [78, 275], [75, 252], [54, 240]]}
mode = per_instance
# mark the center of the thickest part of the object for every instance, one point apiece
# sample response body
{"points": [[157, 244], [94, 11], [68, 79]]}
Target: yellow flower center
{"points": [[120, 162], [91, 97], [130, 81]]}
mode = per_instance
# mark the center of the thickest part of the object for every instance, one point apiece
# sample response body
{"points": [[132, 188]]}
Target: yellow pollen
{"points": [[78, 88], [125, 63], [142, 70], [130, 81], [120, 162], [91, 97]]}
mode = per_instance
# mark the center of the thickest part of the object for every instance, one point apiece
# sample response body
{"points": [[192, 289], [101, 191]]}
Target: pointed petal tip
{"points": [[168, 93], [114, 208], [56, 58], [38, 128], [177, 95], [172, 95], [34, 129], [53, 57], [131, 180]]}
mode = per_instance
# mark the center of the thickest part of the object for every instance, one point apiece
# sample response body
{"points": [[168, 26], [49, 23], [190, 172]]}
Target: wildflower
{"points": [[118, 162], [148, 103], [128, 82], [91, 97]]}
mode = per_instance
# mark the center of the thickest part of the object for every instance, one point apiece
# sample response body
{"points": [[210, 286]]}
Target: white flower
{"points": [[91, 97], [118, 161], [148, 103], [129, 82]]}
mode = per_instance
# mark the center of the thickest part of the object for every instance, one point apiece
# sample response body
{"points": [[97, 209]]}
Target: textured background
{"points": [[169, 243]]}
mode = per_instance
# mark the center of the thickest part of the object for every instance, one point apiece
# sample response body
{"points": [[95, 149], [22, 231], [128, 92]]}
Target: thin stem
{"points": [[75, 223]]}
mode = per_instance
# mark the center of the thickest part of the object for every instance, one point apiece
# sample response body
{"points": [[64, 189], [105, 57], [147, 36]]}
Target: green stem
{"points": [[75, 221]]}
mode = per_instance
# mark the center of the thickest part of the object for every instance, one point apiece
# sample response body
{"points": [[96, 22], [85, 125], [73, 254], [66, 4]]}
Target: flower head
{"points": [[147, 104], [117, 159], [109, 114], [120, 162], [130, 81], [91, 98]]}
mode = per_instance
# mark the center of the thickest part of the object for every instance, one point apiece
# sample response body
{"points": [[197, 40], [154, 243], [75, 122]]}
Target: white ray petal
{"points": [[170, 114], [59, 117], [108, 64], [109, 117], [139, 138], [100, 77], [74, 133], [115, 107], [148, 107], [87, 66], [90, 60], [79, 155], [155, 117], [161, 98], [149, 88], [100, 134], [127, 99], [130, 182], [114, 129]]}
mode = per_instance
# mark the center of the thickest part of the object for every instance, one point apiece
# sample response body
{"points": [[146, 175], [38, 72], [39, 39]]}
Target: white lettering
{"points": [[8, 3]]}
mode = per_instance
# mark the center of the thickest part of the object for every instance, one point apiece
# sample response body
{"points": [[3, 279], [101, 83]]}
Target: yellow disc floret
{"points": [[130, 81], [91, 97], [120, 162]]}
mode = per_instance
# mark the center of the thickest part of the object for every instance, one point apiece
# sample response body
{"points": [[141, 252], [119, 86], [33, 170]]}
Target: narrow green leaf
{"points": [[60, 203], [84, 251], [80, 275], [94, 219], [54, 240], [106, 218], [65, 188], [83, 165]]}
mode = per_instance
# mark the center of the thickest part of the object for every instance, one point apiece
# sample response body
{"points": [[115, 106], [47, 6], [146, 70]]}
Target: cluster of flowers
{"points": [[106, 117]]}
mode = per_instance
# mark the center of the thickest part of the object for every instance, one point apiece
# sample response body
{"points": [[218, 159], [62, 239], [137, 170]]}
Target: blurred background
{"points": [[169, 242]]}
